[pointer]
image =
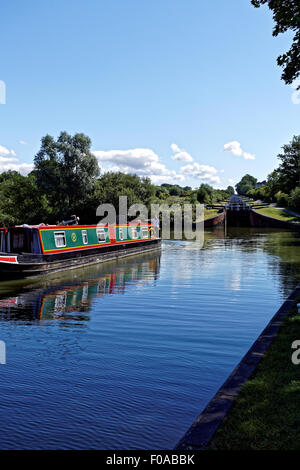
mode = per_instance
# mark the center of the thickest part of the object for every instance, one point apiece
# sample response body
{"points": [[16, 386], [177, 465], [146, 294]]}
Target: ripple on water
{"points": [[125, 355]]}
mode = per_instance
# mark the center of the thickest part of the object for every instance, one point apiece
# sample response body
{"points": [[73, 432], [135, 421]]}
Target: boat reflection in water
{"points": [[69, 295]]}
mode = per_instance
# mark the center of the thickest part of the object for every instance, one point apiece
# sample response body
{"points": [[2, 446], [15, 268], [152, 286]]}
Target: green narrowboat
{"points": [[39, 249]]}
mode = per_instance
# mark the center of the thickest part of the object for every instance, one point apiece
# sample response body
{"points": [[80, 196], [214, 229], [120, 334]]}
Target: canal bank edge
{"points": [[265, 221], [205, 426], [217, 219], [256, 219]]}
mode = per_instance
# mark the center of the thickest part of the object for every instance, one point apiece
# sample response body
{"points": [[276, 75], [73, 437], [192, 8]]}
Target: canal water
{"points": [[125, 355]]}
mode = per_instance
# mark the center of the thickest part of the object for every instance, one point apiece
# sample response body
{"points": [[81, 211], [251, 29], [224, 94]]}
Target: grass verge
{"points": [[278, 214], [208, 213], [266, 414]]}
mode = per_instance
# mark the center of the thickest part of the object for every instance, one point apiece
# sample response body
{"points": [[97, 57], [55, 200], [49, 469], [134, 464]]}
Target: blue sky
{"points": [[160, 86]]}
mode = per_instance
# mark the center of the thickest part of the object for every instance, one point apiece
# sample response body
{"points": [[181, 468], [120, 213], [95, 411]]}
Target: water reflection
{"points": [[133, 370], [282, 246], [69, 294]]}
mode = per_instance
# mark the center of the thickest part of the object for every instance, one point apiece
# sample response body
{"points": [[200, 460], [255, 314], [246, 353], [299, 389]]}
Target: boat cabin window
{"points": [[84, 237], [121, 234], [145, 232], [60, 239], [18, 241], [2, 245], [21, 240], [134, 233], [101, 235]]}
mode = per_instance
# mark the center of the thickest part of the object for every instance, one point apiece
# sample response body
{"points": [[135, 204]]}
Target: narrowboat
{"points": [[40, 249]]}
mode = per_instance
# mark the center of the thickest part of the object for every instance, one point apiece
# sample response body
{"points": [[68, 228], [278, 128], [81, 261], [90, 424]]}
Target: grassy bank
{"points": [[208, 213], [278, 214], [266, 414]]}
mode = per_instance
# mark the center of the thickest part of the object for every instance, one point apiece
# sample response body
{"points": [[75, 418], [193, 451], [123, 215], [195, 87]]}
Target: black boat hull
{"points": [[34, 265]]}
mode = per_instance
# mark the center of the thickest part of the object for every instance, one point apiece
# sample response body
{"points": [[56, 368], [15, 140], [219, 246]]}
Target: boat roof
{"points": [[60, 227]]}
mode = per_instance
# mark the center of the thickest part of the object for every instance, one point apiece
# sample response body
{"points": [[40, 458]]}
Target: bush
{"points": [[294, 199], [202, 196], [282, 199]]}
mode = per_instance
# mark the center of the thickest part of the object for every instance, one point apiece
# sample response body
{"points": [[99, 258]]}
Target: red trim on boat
{"points": [[8, 259], [64, 250]]}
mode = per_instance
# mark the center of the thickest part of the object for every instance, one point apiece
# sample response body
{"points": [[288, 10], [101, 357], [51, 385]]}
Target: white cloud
{"points": [[8, 159], [23, 168], [22, 142], [235, 148], [135, 158], [145, 162], [141, 161], [5, 152], [230, 180], [175, 148], [171, 179], [202, 172], [248, 156], [180, 154], [183, 157]]}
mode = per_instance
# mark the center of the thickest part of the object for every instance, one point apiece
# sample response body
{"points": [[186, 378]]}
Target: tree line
{"points": [[205, 194], [66, 180], [283, 184]]}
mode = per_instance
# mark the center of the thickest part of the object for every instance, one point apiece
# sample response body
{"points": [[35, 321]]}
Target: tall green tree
{"points": [[289, 168], [21, 201], [284, 180], [202, 195], [111, 185], [66, 172], [247, 183], [286, 14]]}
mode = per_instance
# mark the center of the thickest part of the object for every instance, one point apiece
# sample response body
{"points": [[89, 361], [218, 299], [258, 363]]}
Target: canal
{"points": [[125, 355]]}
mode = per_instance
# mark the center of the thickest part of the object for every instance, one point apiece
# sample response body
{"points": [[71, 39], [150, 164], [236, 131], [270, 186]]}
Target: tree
{"points": [[294, 199], [110, 186], [209, 189], [247, 183], [282, 199], [66, 171], [230, 190], [274, 183], [21, 201], [286, 14], [161, 192], [202, 195], [289, 169], [284, 179]]}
